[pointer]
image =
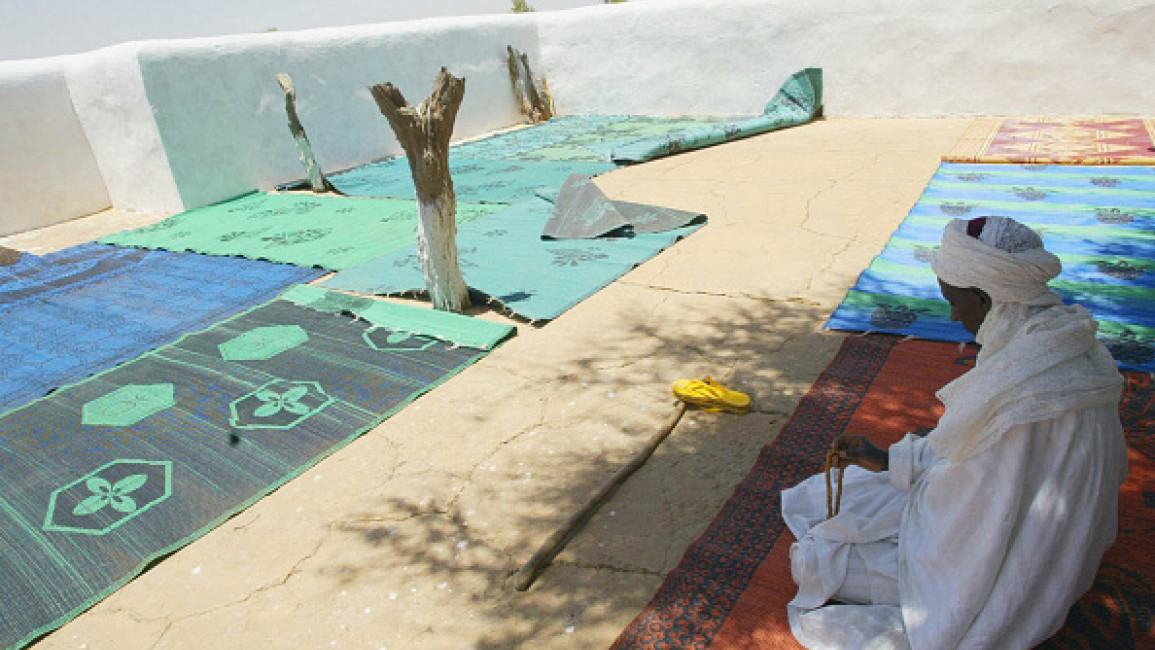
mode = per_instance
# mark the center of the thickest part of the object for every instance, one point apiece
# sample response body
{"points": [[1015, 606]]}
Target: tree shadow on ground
{"points": [[772, 349]]}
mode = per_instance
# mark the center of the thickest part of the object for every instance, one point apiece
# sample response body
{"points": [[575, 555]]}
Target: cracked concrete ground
{"points": [[407, 537]]}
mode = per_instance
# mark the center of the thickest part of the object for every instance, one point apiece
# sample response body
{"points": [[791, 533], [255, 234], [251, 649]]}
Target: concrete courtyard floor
{"points": [[407, 537]]}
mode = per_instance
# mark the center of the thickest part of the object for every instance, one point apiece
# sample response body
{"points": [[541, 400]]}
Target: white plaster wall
{"points": [[178, 124], [880, 57], [109, 97], [47, 171], [221, 116], [40, 28]]}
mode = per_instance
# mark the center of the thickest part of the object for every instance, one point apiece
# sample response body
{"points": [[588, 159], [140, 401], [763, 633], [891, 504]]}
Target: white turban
{"points": [[1006, 260], [1039, 358]]}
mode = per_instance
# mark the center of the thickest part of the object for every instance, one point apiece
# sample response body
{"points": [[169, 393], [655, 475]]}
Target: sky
{"points": [[38, 28]]}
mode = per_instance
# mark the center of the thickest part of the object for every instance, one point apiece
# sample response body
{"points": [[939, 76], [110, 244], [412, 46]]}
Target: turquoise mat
{"points": [[329, 232], [475, 180], [102, 477], [1100, 221], [503, 256], [797, 102]]}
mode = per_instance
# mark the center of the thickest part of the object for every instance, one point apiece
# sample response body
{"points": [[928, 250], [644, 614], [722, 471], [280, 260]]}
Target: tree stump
{"points": [[317, 181], [532, 95], [424, 134]]}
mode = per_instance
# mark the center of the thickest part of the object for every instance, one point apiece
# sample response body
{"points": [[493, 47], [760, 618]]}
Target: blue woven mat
{"points": [[1100, 221], [503, 256], [81, 310], [104, 476]]}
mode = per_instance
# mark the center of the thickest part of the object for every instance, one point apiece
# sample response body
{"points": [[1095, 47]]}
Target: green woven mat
{"points": [[323, 231]]}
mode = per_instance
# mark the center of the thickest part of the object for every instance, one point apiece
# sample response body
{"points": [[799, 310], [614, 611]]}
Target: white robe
{"points": [[983, 534], [986, 553]]}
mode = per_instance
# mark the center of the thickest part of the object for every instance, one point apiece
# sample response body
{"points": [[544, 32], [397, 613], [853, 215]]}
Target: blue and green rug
{"points": [[69, 314], [1100, 221], [104, 476]]}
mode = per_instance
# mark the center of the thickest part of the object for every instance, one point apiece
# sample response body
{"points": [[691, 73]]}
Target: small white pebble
{"points": [[317, 477], [492, 468], [569, 629], [529, 474], [609, 393], [196, 570], [413, 589], [393, 595], [443, 585], [613, 513], [462, 544], [344, 593], [368, 610]]}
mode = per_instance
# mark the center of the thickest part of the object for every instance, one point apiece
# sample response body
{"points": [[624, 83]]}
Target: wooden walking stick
{"points": [[552, 546]]}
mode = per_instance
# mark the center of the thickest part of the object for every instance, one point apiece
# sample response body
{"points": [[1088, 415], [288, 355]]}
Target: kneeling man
{"points": [[986, 531]]}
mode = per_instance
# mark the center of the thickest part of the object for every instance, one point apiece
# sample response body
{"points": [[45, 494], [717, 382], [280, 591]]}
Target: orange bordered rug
{"points": [[1057, 140], [731, 587]]}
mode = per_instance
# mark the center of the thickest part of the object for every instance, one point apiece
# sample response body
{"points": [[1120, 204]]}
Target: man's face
{"points": [[967, 306]]}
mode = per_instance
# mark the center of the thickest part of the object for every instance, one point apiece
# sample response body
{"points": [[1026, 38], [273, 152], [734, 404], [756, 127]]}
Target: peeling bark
{"points": [[424, 134], [317, 181], [533, 96]]}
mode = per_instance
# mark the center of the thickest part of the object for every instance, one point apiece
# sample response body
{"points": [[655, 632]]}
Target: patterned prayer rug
{"points": [[104, 476], [477, 180], [504, 257], [797, 102], [329, 232], [731, 588], [81, 310], [511, 166], [1099, 221], [1081, 141]]}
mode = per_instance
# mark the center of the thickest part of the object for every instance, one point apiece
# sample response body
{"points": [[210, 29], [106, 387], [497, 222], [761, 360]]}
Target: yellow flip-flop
{"points": [[711, 396]]}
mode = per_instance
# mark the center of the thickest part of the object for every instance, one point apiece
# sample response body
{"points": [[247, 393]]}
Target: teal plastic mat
{"points": [[476, 180], [797, 102], [328, 232], [1100, 221], [104, 476], [504, 257]]}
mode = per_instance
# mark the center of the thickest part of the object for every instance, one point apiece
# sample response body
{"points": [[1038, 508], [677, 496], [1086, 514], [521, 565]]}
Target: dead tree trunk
{"points": [[424, 134], [532, 96], [317, 181]]}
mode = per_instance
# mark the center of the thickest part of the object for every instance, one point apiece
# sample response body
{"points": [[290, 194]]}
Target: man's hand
{"points": [[862, 452]]}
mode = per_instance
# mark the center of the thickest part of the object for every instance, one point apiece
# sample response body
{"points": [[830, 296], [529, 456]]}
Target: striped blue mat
{"points": [[1100, 221]]}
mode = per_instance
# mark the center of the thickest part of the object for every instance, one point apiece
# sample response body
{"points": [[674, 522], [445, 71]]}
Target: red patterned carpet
{"points": [[1045, 140], [731, 588]]}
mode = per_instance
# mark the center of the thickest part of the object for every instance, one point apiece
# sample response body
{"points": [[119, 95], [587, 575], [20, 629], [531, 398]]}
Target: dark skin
{"points": [[968, 306]]}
